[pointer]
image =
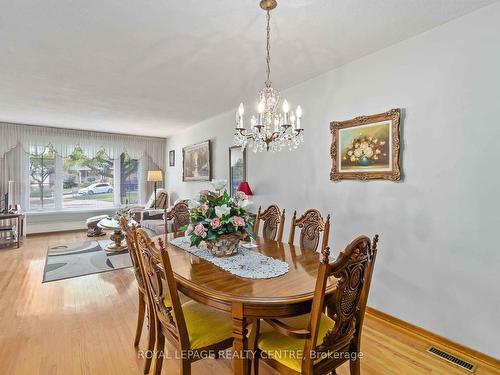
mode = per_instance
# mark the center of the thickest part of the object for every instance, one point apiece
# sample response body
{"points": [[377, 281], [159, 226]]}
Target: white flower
{"points": [[222, 210], [193, 204], [219, 184], [242, 203], [358, 152], [369, 152]]}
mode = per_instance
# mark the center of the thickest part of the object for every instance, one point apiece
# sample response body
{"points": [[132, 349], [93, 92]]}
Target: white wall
{"points": [[438, 264], [57, 221]]}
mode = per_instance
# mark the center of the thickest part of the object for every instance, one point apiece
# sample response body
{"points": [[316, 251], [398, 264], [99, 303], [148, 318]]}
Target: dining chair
{"points": [[178, 216], [311, 225], [273, 219], [315, 343], [144, 299], [195, 329]]}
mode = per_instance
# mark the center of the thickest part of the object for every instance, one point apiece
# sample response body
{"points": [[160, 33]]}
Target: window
{"points": [[87, 183], [237, 168], [129, 182], [78, 182], [42, 180]]}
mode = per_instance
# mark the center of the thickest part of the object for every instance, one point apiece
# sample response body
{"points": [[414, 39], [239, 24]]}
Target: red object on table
{"points": [[245, 188]]}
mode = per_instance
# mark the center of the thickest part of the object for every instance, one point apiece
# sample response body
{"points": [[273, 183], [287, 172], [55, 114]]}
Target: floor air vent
{"points": [[452, 359]]}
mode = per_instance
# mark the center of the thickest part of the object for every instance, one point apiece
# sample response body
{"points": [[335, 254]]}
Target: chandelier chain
{"points": [[268, 50]]}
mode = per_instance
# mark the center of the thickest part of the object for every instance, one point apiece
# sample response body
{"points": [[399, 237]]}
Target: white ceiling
{"points": [[152, 67]]}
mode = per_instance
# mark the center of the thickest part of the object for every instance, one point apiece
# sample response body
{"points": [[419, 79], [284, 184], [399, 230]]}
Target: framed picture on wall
{"points": [[366, 147], [237, 168], [171, 158], [196, 163]]}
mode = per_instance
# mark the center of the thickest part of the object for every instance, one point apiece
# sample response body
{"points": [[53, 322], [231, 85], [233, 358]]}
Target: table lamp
{"points": [[245, 188], [155, 176]]}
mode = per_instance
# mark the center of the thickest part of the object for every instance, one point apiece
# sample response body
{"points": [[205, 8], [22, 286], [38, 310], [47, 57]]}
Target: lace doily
{"points": [[246, 263]]}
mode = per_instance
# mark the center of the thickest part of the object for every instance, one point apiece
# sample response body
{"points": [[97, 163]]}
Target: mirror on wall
{"points": [[237, 168]]}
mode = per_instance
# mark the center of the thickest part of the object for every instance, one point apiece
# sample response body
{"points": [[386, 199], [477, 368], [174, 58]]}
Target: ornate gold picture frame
{"points": [[196, 163], [366, 147]]}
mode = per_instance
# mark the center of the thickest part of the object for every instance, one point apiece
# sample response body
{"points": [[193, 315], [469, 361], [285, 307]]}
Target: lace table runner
{"points": [[246, 263]]}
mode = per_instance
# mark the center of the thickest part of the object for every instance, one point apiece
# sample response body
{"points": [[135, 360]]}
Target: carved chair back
{"points": [[162, 288], [273, 219], [179, 214], [130, 237], [311, 225], [353, 269]]}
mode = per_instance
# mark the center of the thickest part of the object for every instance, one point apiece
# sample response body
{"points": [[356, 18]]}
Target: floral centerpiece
{"points": [[219, 221]]}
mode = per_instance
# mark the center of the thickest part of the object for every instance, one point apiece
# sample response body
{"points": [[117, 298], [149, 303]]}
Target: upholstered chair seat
{"points": [[205, 325], [286, 349]]}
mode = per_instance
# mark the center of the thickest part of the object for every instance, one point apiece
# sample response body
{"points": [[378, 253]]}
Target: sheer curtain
{"points": [[13, 167], [146, 164], [64, 141]]}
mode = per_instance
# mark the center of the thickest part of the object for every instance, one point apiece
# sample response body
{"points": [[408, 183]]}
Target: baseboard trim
{"points": [[33, 234], [491, 361], [53, 227]]}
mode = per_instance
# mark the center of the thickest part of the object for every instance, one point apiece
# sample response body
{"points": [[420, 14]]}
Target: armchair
{"points": [[148, 212]]}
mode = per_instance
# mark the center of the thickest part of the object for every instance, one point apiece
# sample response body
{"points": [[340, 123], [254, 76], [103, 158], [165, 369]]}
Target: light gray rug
{"points": [[82, 258]]}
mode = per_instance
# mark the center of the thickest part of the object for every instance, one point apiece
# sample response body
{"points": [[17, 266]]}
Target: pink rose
{"points": [[200, 231], [240, 196], [238, 221], [189, 229], [204, 192], [215, 223]]}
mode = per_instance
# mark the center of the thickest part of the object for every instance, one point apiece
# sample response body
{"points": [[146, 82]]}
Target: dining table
{"points": [[248, 299]]}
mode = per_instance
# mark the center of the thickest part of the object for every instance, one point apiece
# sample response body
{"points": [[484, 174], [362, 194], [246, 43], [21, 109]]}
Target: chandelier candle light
{"points": [[272, 129]]}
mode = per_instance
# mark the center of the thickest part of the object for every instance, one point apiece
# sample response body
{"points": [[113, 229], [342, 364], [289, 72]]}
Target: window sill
{"points": [[71, 211]]}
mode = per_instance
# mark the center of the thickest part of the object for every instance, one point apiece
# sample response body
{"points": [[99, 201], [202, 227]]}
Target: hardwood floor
{"points": [[86, 325]]}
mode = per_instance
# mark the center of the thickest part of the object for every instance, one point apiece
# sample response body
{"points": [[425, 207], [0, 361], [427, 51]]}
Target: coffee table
{"points": [[117, 236]]}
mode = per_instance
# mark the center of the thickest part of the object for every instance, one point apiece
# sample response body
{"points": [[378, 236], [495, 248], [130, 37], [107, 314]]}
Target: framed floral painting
{"points": [[366, 147]]}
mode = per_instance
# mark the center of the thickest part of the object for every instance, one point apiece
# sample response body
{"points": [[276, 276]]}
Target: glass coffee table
{"points": [[117, 236]]}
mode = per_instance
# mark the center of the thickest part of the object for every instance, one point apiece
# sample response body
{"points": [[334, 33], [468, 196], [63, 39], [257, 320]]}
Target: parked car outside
{"points": [[98, 188]]}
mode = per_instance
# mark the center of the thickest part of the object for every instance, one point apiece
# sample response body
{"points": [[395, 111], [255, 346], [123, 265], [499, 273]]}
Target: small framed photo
{"points": [[171, 158], [366, 148], [196, 162]]}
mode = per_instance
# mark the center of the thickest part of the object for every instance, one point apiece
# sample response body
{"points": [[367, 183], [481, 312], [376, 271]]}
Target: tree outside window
{"points": [[129, 182], [42, 180]]}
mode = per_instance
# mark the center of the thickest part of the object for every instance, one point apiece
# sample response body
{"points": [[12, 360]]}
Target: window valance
{"points": [[64, 141]]}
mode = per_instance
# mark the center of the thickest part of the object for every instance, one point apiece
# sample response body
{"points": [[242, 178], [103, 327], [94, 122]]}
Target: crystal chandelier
{"points": [[272, 129]]}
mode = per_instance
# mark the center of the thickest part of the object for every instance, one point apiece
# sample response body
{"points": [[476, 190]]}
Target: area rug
{"points": [[82, 258]]}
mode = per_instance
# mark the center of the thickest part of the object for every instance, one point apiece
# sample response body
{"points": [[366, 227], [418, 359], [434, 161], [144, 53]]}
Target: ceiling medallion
{"points": [[272, 129]]}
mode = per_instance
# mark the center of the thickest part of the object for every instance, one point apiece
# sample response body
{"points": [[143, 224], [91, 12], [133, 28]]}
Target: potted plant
{"points": [[220, 222]]}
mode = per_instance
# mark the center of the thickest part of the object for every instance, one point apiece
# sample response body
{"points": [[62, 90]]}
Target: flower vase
{"points": [[364, 161], [224, 245]]}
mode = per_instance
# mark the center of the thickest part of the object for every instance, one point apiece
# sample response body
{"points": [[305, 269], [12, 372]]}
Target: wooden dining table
{"points": [[249, 299]]}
